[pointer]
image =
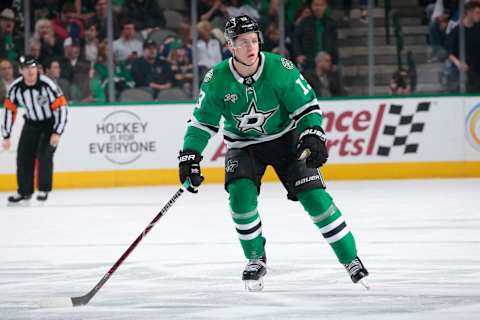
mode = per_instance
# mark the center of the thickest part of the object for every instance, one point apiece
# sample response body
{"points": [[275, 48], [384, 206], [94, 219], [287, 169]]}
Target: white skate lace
{"points": [[353, 267], [254, 265]]}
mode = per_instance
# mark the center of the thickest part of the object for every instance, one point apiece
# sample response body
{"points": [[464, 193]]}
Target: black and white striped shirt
{"points": [[42, 101]]}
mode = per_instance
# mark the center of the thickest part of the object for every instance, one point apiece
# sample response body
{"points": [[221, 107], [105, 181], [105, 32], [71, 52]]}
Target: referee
{"points": [[45, 119]]}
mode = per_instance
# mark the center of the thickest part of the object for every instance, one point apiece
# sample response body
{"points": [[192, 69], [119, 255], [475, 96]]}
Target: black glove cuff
{"points": [[189, 156], [314, 131]]}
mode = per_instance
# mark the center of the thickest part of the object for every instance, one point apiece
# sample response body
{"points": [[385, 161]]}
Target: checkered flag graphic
{"points": [[400, 128]]}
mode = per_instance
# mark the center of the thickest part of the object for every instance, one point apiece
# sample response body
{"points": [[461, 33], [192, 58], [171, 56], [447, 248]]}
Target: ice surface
{"points": [[418, 238]]}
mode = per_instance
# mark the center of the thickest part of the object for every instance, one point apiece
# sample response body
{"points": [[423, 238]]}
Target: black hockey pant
{"points": [[35, 144]]}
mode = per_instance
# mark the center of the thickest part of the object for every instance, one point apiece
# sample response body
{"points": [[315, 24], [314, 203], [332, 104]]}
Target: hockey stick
{"points": [[83, 300]]}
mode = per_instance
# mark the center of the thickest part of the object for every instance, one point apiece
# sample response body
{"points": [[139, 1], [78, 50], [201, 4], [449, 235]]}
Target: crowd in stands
{"points": [[444, 32], [69, 41], [152, 47]]}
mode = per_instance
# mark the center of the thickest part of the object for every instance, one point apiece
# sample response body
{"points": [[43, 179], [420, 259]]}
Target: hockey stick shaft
{"points": [[305, 154], [83, 300]]}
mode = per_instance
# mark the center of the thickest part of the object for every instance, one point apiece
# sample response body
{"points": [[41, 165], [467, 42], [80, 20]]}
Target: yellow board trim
{"points": [[365, 171]]}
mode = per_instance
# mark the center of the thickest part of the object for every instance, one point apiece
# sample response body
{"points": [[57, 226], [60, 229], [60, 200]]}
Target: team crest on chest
{"points": [[253, 119]]}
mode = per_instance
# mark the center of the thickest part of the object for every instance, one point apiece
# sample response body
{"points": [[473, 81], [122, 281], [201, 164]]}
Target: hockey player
{"points": [[271, 117]]}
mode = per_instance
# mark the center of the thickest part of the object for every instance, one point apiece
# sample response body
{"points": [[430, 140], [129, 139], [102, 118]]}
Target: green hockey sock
{"points": [[328, 218], [243, 207]]}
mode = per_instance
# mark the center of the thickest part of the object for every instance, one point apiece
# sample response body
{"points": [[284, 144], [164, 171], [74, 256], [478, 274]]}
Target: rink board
{"points": [[380, 138]]}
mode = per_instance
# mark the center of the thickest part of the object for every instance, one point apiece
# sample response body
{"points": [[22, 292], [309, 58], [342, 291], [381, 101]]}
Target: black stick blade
{"points": [[82, 300]]}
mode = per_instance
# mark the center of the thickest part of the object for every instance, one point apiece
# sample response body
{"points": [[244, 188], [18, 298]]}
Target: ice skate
{"points": [[42, 196], [357, 272], [253, 274], [19, 200]]}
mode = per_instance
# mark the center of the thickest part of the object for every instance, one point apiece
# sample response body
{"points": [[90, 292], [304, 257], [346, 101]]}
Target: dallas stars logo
{"points": [[231, 166], [253, 119]]}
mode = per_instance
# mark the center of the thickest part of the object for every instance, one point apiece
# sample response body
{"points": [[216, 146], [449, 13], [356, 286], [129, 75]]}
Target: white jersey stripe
{"points": [[324, 215], [200, 126], [242, 144], [37, 107], [338, 236], [245, 215], [332, 225], [63, 111], [248, 225], [46, 92], [314, 102], [250, 236]]}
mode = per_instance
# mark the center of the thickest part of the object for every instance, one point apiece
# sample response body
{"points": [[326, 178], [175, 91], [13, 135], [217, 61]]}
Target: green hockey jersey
{"points": [[260, 108]]}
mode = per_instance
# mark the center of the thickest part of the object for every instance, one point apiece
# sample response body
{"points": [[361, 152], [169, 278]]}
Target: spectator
{"points": [[325, 81], [184, 33], [127, 48], [85, 9], [11, 43], [438, 38], [6, 77], [97, 87], [304, 11], [122, 76], [272, 40], [53, 71], [90, 49], [291, 9], [237, 8], [75, 69], [36, 51], [400, 83], [100, 19], [471, 23], [213, 11], [347, 7], [146, 13], [314, 34], [45, 9], [209, 49], [67, 25], [181, 65], [151, 73], [432, 9], [164, 48], [51, 47]]}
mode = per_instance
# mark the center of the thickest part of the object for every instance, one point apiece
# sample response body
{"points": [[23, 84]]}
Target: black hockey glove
{"points": [[311, 146], [189, 168]]}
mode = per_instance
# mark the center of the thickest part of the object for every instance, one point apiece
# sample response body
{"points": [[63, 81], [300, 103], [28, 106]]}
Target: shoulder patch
{"points": [[208, 76], [287, 64]]}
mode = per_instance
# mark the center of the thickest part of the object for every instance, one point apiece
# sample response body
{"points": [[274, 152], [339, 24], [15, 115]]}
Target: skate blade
{"points": [[364, 283], [23, 203], [40, 203], [253, 285]]}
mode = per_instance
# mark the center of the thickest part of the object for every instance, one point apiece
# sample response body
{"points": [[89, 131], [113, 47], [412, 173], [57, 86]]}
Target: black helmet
{"points": [[27, 60], [242, 24]]}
